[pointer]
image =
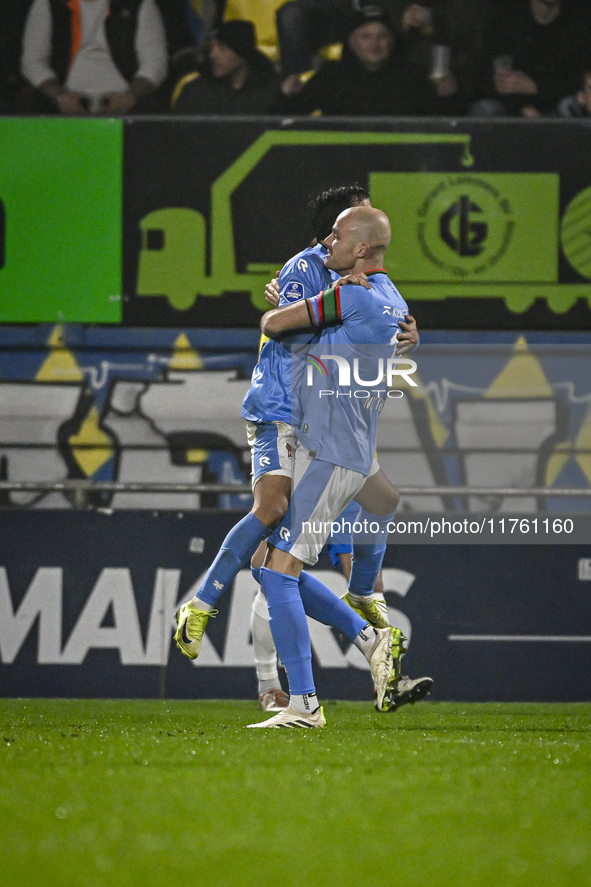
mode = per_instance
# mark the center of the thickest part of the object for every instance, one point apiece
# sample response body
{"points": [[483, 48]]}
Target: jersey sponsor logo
{"points": [[302, 265], [294, 291], [393, 312]]}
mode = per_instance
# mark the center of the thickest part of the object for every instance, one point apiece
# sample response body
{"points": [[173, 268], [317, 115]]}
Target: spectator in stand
{"points": [[372, 77], [304, 26], [12, 24], [534, 54], [446, 38], [578, 105], [184, 34], [93, 56], [182, 25], [210, 13], [236, 79]]}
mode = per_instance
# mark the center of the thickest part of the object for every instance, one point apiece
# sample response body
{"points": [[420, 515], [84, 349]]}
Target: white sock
{"points": [[201, 605], [306, 704], [265, 686], [365, 640], [265, 654], [358, 600]]}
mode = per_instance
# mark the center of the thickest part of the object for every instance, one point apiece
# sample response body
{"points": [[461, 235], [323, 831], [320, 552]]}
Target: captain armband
{"points": [[328, 307]]}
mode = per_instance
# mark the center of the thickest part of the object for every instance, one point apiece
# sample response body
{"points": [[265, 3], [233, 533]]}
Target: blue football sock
{"points": [[290, 629], [325, 606], [365, 568], [237, 548], [368, 552]]}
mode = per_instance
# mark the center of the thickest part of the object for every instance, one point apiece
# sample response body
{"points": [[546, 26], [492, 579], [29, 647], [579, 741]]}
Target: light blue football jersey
{"points": [[269, 396], [350, 359]]}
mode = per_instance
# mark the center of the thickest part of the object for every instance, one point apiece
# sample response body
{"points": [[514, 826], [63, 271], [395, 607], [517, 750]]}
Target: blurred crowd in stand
{"points": [[482, 58]]}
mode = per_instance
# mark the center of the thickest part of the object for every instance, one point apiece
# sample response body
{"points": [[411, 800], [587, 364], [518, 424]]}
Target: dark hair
{"points": [[326, 206], [365, 16], [240, 36]]}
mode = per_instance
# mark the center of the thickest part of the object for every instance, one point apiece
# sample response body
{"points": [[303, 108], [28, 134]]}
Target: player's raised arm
{"points": [[281, 320]]}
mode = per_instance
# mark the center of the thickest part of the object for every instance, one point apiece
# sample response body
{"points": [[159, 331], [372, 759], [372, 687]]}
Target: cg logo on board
{"points": [[460, 229], [465, 225]]}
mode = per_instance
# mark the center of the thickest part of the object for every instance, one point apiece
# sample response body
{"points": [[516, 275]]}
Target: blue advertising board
{"points": [[87, 603]]}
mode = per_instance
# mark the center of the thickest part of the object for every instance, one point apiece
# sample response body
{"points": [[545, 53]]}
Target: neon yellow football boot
{"points": [[373, 611], [398, 651], [191, 624]]}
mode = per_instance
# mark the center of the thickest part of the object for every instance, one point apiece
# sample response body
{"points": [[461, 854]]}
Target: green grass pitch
{"points": [[154, 794]]}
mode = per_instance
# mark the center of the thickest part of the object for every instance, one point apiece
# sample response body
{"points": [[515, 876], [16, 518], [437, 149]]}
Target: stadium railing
{"points": [[80, 491]]}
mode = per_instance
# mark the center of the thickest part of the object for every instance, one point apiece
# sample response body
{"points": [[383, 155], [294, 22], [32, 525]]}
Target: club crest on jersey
{"points": [[302, 265], [294, 291]]}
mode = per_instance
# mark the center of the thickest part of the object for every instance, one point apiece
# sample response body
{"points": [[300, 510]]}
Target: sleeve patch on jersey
{"points": [[325, 308], [293, 291], [330, 306]]}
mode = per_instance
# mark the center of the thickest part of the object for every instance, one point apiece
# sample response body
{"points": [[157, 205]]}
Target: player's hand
{"points": [[359, 279], [408, 337], [272, 291]]}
